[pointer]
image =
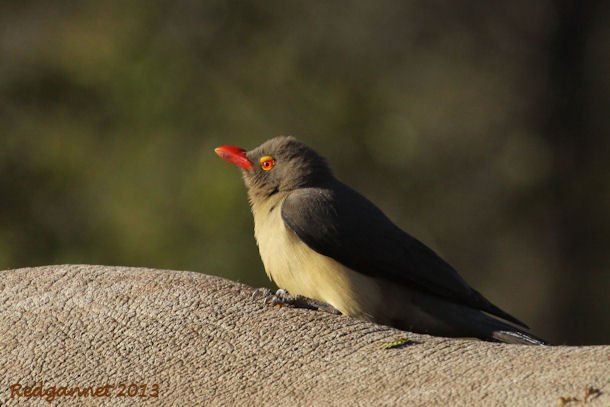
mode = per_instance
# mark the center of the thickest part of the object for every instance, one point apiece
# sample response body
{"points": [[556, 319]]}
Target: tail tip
{"points": [[518, 338]]}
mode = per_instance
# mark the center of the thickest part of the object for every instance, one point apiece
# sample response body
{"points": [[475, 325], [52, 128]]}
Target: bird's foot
{"points": [[282, 298]]}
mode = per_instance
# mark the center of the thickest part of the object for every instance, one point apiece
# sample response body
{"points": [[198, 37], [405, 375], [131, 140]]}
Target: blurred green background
{"points": [[483, 129]]}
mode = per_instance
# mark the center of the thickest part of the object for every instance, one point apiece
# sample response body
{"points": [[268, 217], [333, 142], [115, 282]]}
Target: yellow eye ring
{"points": [[267, 162]]}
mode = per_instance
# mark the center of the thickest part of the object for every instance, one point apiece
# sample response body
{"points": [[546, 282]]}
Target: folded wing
{"points": [[340, 223]]}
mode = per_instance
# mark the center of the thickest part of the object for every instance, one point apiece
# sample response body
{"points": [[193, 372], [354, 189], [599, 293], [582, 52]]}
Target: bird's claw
{"points": [[263, 293], [279, 298], [282, 298]]}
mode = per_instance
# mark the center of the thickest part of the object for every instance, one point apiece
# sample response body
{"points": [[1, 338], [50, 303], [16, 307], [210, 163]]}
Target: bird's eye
{"points": [[267, 162]]}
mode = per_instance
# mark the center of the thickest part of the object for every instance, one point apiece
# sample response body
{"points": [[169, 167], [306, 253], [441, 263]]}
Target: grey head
{"points": [[283, 164]]}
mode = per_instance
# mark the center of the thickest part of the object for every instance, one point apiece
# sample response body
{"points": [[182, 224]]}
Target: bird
{"points": [[322, 240]]}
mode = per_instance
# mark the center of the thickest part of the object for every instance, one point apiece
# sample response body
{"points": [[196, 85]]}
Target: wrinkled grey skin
{"points": [[321, 239]]}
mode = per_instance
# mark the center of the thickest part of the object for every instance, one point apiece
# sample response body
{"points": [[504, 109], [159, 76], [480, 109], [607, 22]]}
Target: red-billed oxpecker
{"points": [[320, 239]]}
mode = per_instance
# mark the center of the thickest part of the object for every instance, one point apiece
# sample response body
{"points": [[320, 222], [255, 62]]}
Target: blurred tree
{"points": [[579, 182]]}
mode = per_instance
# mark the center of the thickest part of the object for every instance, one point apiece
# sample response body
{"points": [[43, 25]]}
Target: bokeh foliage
{"points": [[481, 128]]}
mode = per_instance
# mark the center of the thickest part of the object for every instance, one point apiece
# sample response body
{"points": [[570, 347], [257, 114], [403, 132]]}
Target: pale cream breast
{"points": [[293, 266]]}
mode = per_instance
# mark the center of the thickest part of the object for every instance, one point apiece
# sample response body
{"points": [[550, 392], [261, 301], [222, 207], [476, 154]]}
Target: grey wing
{"points": [[340, 223]]}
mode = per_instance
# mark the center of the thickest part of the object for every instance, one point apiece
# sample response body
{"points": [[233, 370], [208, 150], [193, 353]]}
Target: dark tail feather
{"points": [[464, 321], [494, 310], [493, 329], [517, 337]]}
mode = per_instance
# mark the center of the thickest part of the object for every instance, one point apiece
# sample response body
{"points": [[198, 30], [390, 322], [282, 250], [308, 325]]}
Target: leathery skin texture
{"points": [[203, 340]]}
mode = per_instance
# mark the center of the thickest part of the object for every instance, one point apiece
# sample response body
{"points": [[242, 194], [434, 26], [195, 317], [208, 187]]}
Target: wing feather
{"points": [[340, 223]]}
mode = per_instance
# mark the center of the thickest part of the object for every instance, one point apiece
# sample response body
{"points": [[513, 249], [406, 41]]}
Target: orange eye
{"points": [[267, 162]]}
